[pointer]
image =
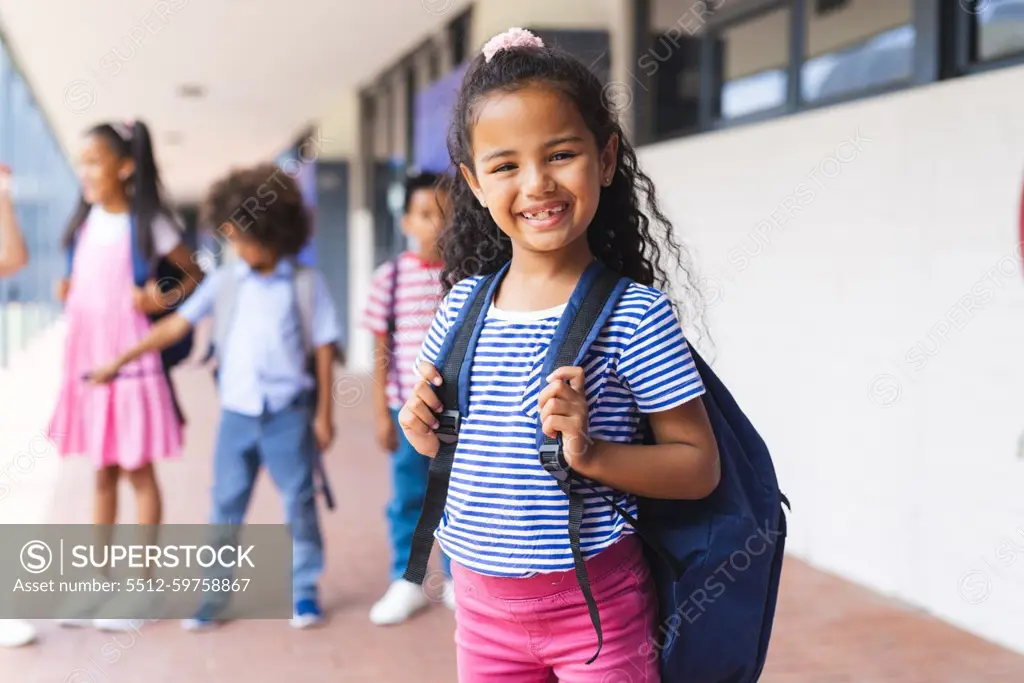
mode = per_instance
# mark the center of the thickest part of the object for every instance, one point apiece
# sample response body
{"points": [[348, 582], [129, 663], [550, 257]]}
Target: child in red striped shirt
{"points": [[404, 297]]}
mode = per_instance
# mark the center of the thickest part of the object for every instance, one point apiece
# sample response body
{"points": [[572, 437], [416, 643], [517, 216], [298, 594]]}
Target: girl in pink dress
{"points": [[128, 424]]}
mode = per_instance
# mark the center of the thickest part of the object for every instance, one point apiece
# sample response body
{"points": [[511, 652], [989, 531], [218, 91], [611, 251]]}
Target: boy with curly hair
{"points": [[274, 369]]}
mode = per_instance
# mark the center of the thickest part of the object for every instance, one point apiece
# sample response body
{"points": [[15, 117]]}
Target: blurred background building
{"points": [[848, 174]]}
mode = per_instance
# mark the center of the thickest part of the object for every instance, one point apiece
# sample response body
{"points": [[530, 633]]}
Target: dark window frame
{"points": [[942, 51], [709, 74], [412, 86], [964, 22], [458, 32]]}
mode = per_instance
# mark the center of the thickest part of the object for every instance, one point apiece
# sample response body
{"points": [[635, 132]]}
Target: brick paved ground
{"points": [[827, 631]]}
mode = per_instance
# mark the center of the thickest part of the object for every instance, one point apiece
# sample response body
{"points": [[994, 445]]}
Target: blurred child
{"points": [[404, 297], [13, 257], [122, 219], [276, 410]]}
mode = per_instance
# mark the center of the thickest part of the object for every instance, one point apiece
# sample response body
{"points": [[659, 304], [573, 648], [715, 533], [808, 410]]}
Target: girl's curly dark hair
{"points": [[264, 203], [621, 235]]}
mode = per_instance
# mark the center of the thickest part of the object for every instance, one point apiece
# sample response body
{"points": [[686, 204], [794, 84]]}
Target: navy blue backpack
{"points": [[716, 562]]}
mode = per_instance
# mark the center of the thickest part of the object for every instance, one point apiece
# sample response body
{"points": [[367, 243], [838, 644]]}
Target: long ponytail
{"points": [[145, 189]]}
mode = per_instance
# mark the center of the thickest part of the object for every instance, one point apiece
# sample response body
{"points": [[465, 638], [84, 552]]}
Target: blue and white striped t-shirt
{"points": [[505, 515]]}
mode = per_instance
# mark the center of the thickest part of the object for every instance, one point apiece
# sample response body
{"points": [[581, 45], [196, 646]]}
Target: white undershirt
{"points": [[103, 227]]}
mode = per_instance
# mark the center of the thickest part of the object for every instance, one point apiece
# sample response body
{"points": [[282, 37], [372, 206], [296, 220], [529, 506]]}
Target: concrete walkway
{"points": [[827, 631]]}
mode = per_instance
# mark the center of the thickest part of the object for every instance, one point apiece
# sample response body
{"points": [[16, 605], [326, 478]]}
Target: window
{"points": [[592, 47], [707, 64], [997, 28], [752, 58], [383, 104], [433, 65], [857, 46], [458, 36], [671, 63], [676, 85], [732, 54]]}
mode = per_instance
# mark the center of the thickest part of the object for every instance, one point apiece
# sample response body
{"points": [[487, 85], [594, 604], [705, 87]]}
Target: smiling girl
{"points": [[547, 175]]}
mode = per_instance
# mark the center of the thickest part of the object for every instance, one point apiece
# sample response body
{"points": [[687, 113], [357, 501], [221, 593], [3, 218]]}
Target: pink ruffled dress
{"points": [[130, 421]]}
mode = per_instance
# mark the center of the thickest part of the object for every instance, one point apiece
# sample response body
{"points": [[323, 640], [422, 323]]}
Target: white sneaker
{"points": [[196, 625], [120, 625], [306, 614], [140, 603], [449, 594], [302, 621], [402, 600], [15, 633], [205, 617], [81, 609]]}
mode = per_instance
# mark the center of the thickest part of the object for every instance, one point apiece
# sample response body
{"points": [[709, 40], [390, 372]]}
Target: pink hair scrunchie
{"points": [[514, 37], [124, 129]]}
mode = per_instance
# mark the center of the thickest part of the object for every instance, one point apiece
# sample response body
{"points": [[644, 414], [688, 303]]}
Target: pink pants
{"points": [[538, 630]]}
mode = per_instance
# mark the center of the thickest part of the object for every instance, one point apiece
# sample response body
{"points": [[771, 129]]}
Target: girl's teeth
{"points": [[544, 214]]}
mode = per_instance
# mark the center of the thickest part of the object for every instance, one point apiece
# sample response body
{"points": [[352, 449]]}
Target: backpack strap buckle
{"points": [[450, 422], [552, 459]]}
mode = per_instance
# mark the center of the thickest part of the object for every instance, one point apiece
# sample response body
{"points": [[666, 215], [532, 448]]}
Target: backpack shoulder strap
{"points": [[224, 305], [392, 304], [453, 361], [304, 296], [140, 267], [76, 235], [391, 318], [591, 304]]}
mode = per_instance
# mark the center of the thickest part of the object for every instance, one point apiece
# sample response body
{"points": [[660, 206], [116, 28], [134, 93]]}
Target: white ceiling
{"points": [[270, 67]]}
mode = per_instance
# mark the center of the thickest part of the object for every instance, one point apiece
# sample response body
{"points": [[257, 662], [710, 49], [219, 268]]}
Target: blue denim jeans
{"points": [[283, 442], [409, 486]]}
